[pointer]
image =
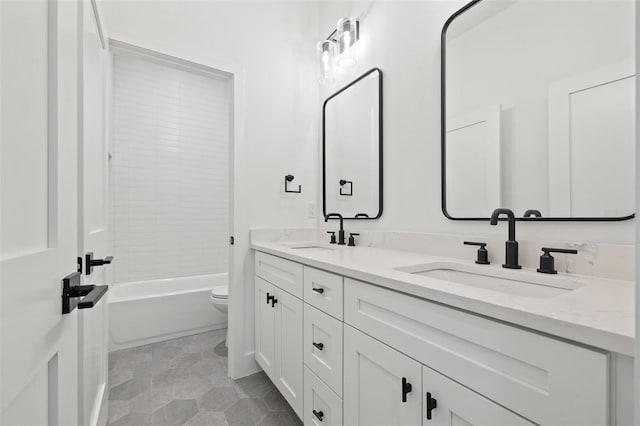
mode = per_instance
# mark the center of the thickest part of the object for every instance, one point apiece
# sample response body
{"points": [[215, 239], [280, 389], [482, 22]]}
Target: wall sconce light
{"points": [[347, 36], [326, 60], [339, 47]]}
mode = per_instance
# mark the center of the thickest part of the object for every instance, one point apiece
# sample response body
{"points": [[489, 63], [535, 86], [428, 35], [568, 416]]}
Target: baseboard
{"points": [[244, 366], [103, 417], [141, 342]]}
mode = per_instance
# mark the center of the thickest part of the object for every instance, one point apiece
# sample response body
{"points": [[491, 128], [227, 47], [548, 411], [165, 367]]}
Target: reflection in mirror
{"points": [[352, 148], [538, 110]]}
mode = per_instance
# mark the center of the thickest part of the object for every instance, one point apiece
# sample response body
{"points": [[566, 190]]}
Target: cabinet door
{"points": [[265, 316], [449, 403], [373, 383], [288, 369]]}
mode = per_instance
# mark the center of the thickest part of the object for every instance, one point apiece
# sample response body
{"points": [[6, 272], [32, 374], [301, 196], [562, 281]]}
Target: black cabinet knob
{"points": [[320, 346], [318, 290]]}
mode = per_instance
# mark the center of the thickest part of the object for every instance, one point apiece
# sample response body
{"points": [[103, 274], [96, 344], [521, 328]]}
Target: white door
{"points": [[265, 337], [474, 163], [289, 331], [448, 403], [592, 143], [382, 387], [93, 214], [38, 226]]}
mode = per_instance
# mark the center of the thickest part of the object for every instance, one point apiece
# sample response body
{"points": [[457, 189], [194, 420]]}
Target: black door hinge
{"points": [[232, 240]]}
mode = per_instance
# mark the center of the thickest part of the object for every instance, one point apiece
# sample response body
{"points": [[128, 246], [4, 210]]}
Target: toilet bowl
{"points": [[220, 298]]}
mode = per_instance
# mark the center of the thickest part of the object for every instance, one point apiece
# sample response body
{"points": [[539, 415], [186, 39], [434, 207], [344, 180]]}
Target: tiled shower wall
{"points": [[171, 171]]}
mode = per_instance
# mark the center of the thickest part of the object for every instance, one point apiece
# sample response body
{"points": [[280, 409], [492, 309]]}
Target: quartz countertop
{"points": [[600, 313]]}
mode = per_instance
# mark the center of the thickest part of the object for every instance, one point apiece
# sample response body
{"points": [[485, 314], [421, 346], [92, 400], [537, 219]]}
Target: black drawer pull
{"points": [[406, 388], [320, 346], [319, 414], [318, 290], [432, 404]]}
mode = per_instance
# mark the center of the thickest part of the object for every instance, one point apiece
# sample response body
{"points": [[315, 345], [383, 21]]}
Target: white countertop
{"points": [[600, 313]]}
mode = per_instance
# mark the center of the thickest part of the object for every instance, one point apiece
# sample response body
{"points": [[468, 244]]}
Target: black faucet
{"points": [[511, 246], [341, 240]]}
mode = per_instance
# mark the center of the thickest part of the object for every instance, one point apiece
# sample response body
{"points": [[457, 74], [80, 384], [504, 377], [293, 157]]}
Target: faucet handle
{"points": [[333, 237], [483, 254], [352, 240], [547, 262]]}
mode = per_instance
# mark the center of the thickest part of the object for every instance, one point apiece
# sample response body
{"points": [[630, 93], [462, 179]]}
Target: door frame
{"points": [[99, 418], [241, 360]]}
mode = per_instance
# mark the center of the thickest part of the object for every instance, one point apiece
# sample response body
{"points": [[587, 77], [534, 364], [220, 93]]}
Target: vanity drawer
{"points": [[548, 381], [324, 291], [323, 346], [280, 272], [320, 398]]}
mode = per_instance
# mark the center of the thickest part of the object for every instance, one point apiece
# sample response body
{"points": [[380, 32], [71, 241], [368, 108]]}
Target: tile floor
{"points": [[184, 382]]}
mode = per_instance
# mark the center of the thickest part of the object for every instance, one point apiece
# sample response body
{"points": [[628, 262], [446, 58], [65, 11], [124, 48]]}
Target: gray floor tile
{"points": [[208, 418], [150, 400], [280, 418], [246, 412], [276, 402], [257, 385], [218, 399], [184, 381], [117, 410], [192, 387], [133, 419], [129, 389], [175, 413], [186, 360], [118, 376]]}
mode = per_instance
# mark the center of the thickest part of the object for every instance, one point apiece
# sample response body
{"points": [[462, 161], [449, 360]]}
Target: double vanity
{"points": [[374, 336]]}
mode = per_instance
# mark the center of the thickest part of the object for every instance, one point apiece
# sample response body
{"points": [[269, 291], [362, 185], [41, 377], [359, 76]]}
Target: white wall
{"points": [[270, 47], [402, 38], [171, 171]]}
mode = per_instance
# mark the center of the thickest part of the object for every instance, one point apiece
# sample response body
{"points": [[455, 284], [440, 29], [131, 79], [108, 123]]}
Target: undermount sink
{"points": [[310, 246], [517, 282]]}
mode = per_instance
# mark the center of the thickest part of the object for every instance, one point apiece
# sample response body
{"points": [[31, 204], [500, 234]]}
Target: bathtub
{"points": [[145, 312]]}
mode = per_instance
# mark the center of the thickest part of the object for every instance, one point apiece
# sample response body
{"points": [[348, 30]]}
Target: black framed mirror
{"points": [[538, 110], [352, 149]]}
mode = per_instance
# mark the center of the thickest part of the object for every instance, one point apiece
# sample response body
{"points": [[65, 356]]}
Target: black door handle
{"points": [[432, 404], [94, 295], [90, 262], [320, 346], [319, 414], [318, 290], [72, 291], [406, 388]]}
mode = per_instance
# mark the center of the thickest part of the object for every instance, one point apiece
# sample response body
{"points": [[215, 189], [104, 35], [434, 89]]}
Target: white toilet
{"points": [[220, 299]]}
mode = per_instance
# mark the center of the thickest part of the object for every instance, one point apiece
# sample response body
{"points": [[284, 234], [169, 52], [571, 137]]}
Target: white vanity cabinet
{"points": [[278, 325], [374, 356], [381, 385]]}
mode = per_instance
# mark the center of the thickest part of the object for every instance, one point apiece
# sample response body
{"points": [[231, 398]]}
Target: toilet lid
{"points": [[221, 292]]}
